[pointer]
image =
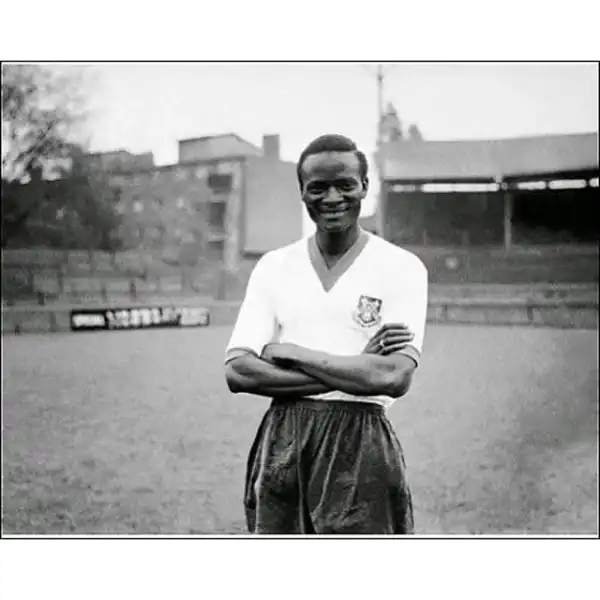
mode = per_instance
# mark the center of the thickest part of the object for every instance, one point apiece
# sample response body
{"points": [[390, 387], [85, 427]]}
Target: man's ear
{"points": [[365, 182]]}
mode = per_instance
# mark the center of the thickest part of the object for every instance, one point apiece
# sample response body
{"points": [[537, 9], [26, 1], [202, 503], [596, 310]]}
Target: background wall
{"points": [[273, 209]]}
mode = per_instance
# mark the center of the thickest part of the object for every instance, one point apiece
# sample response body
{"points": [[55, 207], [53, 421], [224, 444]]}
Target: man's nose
{"points": [[333, 195]]}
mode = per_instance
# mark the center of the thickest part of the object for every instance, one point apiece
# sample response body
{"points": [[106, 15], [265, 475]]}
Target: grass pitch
{"points": [[136, 432]]}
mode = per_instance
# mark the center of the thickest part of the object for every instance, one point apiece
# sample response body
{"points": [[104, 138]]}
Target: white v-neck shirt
{"points": [[293, 297]]}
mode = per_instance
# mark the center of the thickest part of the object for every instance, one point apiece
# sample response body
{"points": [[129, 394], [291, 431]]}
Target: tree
{"points": [[51, 193], [18, 205], [89, 206], [38, 113], [39, 110]]}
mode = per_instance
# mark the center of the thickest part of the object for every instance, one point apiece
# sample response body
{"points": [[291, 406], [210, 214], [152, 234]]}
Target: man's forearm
{"points": [[363, 374], [253, 375], [250, 386]]}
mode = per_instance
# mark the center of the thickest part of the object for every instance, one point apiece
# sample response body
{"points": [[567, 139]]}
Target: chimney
{"points": [[271, 146]]}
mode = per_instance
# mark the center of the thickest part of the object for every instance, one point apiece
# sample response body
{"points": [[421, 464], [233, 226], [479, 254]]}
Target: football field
{"points": [[136, 432]]}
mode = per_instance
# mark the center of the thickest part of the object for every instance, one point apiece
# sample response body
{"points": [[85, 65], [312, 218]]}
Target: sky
{"points": [[148, 107]]}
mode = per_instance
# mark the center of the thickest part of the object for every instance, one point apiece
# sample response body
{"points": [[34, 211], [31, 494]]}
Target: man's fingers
{"points": [[391, 335], [389, 346], [398, 338], [393, 348], [389, 329], [390, 326], [387, 335]]}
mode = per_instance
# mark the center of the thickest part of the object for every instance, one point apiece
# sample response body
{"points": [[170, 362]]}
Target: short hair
{"points": [[332, 142]]}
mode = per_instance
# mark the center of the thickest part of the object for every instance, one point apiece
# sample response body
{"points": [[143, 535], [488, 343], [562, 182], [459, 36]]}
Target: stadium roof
{"points": [[489, 159]]}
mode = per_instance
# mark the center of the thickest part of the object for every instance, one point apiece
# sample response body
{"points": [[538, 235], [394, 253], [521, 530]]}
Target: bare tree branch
{"points": [[39, 110]]}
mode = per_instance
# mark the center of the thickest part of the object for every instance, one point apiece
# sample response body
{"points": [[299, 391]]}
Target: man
{"points": [[331, 328]]}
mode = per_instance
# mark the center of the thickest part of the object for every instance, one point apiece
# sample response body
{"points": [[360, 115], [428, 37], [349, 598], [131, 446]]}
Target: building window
{"points": [[138, 207], [216, 216], [220, 183], [216, 249]]}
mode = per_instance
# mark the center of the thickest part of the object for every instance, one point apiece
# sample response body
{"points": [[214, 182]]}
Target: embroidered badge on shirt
{"points": [[368, 311]]}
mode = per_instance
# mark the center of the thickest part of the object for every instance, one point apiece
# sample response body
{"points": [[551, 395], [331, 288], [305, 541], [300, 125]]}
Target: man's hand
{"points": [[360, 374], [282, 355], [390, 338]]}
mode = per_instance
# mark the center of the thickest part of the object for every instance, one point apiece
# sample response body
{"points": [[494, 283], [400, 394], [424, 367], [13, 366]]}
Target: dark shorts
{"points": [[326, 467]]}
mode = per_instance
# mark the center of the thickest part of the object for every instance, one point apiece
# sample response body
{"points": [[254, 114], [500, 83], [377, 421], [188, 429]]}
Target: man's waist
{"points": [[329, 403], [336, 396]]}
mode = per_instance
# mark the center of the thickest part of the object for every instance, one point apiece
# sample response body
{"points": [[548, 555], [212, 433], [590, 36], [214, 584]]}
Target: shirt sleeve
{"points": [[408, 305], [256, 325]]}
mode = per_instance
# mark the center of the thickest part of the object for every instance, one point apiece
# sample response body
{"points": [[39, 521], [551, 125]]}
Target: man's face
{"points": [[333, 189]]}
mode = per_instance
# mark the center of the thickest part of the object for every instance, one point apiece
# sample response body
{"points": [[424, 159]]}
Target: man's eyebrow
{"points": [[339, 178]]}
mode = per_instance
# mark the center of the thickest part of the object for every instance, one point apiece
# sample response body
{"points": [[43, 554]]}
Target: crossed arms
{"points": [[288, 369]]}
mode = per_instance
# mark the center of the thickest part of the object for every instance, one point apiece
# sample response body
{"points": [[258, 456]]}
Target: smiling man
{"points": [[331, 328]]}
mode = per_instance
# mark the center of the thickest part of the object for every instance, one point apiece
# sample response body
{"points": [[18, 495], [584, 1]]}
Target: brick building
{"points": [[224, 199], [120, 160]]}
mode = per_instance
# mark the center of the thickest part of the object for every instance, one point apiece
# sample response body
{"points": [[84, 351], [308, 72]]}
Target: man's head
{"points": [[332, 173]]}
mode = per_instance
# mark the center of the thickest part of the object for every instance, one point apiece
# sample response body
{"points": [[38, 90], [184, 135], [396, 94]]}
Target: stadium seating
{"points": [[44, 275], [520, 265]]}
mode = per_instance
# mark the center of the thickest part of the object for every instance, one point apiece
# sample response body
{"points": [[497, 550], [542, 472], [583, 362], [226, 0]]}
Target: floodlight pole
{"points": [[381, 200], [380, 219]]}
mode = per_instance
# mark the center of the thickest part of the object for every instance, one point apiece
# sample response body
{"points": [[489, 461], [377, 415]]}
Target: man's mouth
{"points": [[335, 214]]}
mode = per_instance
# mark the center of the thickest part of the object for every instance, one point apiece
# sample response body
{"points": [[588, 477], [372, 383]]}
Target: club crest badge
{"points": [[368, 311]]}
